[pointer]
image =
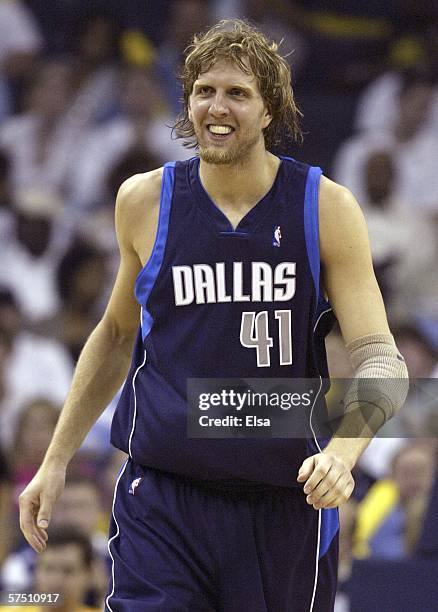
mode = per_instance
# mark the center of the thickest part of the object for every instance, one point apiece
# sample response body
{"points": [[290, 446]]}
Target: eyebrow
{"points": [[200, 84]]}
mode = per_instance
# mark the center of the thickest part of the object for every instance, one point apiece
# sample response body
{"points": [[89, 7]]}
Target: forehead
{"points": [[67, 554], [225, 72]]}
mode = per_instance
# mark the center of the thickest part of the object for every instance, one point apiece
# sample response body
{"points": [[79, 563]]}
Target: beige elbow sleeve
{"points": [[381, 377]]}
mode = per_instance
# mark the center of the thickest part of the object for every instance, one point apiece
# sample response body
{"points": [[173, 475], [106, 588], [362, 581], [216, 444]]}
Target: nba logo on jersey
{"points": [[134, 485], [277, 236]]}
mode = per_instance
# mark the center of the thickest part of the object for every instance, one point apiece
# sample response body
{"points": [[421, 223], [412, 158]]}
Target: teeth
{"points": [[220, 129]]}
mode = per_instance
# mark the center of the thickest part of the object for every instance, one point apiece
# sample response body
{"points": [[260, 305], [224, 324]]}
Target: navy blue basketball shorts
{"points": [[181, 546]]}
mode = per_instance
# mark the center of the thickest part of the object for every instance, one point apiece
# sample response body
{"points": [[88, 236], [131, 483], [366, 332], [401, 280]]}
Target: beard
{"points": [[234, 153]]}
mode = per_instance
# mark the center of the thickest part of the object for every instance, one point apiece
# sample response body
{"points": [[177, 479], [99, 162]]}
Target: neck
{"points": [[240, 184]]}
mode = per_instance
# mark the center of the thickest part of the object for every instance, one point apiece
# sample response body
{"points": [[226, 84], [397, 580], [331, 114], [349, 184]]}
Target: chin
{"points": [[211, 155]]}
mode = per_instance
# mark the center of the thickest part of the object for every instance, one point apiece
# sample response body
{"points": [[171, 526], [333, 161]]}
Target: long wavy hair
{"points": [[239, 42]]}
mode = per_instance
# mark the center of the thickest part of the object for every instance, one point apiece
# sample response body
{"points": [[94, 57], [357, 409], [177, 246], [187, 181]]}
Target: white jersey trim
{"points": [[116, 535], [134, 416], [318, 541]]}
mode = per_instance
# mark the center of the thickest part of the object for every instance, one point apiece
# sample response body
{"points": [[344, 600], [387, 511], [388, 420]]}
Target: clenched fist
{"points": [[328, 480]]}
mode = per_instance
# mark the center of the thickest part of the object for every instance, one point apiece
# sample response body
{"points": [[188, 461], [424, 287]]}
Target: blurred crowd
{"points": [[88, 92]]}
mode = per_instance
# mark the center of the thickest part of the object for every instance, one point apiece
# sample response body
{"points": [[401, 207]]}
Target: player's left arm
{"points": [[350, 283]]}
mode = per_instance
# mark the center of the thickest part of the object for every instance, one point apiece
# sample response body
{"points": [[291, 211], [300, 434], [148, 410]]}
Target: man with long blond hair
{"points": [[233, 255]]}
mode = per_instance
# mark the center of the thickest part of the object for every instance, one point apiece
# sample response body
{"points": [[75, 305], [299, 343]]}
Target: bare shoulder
{"points": [[139, 191], [137, 210], [341, 221], [336, 201], [347, 270]]}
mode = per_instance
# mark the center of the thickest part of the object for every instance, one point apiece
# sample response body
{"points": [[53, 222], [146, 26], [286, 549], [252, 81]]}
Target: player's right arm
{"points": [[105, 358]]}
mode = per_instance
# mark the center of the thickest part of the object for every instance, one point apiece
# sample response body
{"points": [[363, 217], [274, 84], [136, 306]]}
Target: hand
{"points": [[328, 480], [36, 504]]}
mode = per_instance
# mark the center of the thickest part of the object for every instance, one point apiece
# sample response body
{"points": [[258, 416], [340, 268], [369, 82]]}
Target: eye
{"points": [[236, 92], [203, 90]]}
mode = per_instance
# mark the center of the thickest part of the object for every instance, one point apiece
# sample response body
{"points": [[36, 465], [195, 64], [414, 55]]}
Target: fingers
{"points": [[44, 516], [28, 509], [306, 469], [329, 483], [322, 466], [323, 487], [36, 504], [336, 495], [35, 512], [45, 512]]}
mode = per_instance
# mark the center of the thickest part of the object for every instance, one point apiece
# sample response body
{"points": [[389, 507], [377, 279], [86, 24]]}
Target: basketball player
{"points": [[221, 250]]}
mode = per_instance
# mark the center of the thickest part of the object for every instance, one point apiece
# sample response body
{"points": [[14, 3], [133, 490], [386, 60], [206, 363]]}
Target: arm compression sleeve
{"points": [[380, 383]]}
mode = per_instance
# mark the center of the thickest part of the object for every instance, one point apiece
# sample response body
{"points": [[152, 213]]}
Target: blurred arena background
{"points": [[87, 92]]}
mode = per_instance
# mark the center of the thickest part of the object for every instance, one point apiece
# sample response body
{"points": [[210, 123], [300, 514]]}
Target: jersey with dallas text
{"points": [[224, 302]]}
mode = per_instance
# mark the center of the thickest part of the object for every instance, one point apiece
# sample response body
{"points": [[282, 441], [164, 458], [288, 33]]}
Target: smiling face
{"points": [[228, 114]]}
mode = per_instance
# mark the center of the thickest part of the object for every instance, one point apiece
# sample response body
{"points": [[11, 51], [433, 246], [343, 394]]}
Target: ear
{"points": [[267, 118], [189, 112]]}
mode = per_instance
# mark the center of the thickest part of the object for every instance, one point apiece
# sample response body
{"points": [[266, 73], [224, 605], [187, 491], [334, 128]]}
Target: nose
{"points": [[218, 106]]}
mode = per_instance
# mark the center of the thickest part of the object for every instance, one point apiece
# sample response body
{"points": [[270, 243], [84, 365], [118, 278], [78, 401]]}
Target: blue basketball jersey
{"points": [[206, 292]]}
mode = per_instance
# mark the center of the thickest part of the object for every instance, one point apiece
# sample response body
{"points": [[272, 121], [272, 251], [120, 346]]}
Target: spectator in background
{"points": [[31, 366], [141, 124], [185, 19], [143, 22], [28, 258], [270, 18], [35, 426], [82, 284], [64, 568], [413, 149], [390, 517], [95, 55], [79, 507], [34, 430], [135, 161], [419, 412], [378, 106], [42, 143], [347, 526], [420, 355], [98, 225], [402, 269], [348, 41], [418, 416], [346, 47], [20, 43]]}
